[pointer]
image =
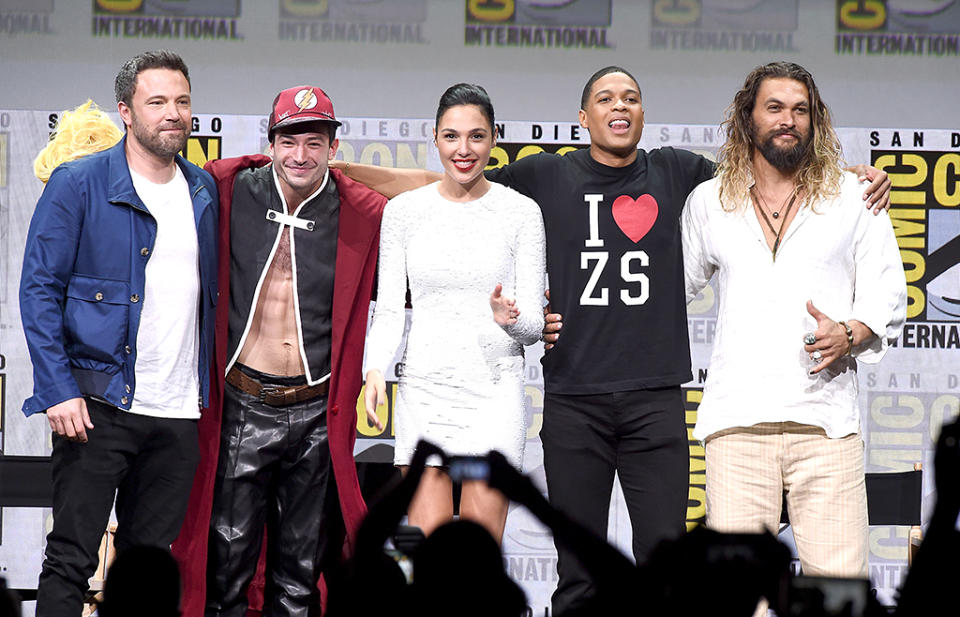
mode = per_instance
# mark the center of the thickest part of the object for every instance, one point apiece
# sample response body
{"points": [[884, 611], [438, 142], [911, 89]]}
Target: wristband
{"points": [[849, 332]]}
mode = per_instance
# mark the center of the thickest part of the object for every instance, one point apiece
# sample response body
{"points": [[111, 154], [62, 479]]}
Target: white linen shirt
{"points": [[840, 256]]}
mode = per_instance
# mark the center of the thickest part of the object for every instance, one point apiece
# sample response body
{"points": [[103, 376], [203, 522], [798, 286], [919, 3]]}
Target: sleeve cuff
{"points": [[873, 349], [43, 400]]}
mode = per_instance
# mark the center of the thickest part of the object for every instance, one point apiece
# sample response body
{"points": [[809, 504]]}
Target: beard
{"points": [[784, 159], [162, 145]]}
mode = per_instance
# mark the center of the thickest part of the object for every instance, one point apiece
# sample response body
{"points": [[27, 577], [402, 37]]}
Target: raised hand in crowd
{"points": [[369, 562], [617, 580]]}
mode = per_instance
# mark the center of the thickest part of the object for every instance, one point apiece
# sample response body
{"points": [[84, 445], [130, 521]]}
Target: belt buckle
{"points": [[266, 391]]}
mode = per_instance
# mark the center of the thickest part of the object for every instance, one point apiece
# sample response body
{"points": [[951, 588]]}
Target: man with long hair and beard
{"points": [[810, 283]]}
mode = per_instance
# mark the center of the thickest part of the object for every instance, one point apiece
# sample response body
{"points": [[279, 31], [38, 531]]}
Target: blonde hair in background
{"points": [[819, 173], [81, 131]]}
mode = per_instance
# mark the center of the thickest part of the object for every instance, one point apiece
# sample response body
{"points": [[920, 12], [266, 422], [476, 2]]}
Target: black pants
{"points": [[147, 462], [273, 470], [641, 435]]}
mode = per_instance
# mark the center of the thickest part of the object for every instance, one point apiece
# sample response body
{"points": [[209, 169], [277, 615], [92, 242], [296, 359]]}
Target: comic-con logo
{"points": [[167, 19], [572, 24], [723, 25], [697, 496], [899, 428], [201, 150], [898, 16], [925, 213], [505, 153], [353, 21], [169, 8], [898, 27]]}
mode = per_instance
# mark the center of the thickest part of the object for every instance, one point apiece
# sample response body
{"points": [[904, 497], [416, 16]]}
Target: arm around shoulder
{"points": [[529, 175], [388, 181], [695, 168]]}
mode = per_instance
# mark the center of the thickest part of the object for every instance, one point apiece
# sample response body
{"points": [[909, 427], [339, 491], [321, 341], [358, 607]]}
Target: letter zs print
{"points": [[635, 218]]}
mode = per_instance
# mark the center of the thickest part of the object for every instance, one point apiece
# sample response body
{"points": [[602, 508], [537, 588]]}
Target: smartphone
{"points": [[463, 468]]}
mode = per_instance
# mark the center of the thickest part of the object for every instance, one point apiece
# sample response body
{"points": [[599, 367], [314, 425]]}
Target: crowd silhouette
{"points": [[459, 570]]}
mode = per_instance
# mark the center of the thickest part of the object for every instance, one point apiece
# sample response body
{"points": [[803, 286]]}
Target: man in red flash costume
{"points": [[290, 327]]}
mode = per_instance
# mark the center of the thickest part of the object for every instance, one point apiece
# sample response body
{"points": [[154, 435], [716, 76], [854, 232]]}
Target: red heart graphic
{"points": [[635, 217]]}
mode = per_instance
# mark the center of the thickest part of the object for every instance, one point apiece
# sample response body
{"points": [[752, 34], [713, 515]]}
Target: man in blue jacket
{"points": [[117, 301]]}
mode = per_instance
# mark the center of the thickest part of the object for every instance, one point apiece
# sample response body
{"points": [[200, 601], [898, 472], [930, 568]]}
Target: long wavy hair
{"points": [[819, 172]]}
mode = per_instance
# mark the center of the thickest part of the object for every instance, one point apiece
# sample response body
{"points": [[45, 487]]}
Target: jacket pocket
{"points": [[96, 320]]}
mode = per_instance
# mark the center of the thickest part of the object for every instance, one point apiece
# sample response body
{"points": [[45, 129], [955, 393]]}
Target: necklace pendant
{"points": [[776, 215]]}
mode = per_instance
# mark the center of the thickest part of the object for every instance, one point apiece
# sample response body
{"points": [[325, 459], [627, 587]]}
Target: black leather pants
{"points": [[273, 470]]}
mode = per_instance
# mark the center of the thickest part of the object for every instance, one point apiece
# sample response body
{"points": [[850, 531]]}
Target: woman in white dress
{"points": [[472, 252]]}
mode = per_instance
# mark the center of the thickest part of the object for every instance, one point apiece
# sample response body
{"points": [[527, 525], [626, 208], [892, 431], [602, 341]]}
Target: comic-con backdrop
{"points": [[905, 399], [879, 63]]}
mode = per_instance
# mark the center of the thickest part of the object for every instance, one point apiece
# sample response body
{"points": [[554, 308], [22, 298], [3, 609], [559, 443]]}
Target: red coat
{"points": [[358, 239]]}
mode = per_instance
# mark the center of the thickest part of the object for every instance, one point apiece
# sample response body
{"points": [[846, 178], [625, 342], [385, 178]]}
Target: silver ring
{"points": [[810, 338], [816, 356]]}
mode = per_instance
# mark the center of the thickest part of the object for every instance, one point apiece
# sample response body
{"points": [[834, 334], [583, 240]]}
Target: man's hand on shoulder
{"points": [[70, 419], [877, 193]]}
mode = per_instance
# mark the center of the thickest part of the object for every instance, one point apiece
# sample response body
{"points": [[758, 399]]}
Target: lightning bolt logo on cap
{"points": [[305, 99]]}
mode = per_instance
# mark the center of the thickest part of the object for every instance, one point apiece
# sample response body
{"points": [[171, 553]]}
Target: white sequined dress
{"points": [[462, 383]]}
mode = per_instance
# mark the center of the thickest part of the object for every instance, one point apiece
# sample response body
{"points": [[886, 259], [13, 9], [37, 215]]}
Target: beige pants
{"points": [[748, 470]]}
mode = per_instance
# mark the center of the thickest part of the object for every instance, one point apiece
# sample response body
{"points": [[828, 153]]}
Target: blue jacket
{"points": [[83, 279]]}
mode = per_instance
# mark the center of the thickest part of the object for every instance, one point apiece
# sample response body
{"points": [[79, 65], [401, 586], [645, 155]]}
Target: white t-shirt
{"points": [[167, 382]]}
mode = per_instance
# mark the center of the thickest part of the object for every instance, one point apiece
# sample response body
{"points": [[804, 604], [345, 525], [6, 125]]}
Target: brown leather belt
{"points": [[275, 396]]}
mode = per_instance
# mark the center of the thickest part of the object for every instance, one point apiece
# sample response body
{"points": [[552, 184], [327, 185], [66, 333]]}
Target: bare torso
{"points": [[272, 345]]}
